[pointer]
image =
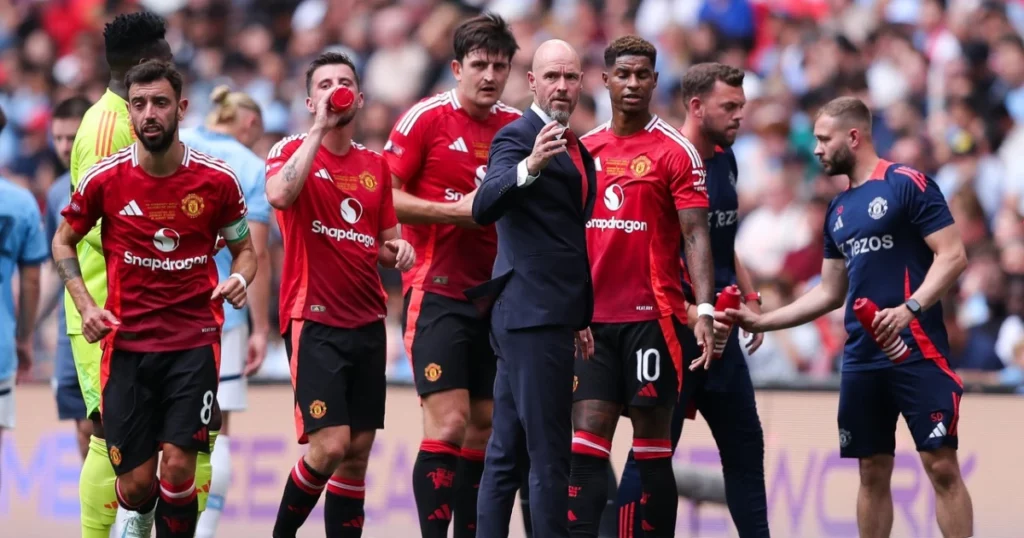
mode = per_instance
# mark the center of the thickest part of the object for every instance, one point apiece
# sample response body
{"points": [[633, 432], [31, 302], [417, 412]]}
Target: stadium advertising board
{"points": [[811, 491]]}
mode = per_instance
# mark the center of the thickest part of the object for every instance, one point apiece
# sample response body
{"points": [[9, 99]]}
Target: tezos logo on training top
{"points": [[351, 210], [166, 240]]}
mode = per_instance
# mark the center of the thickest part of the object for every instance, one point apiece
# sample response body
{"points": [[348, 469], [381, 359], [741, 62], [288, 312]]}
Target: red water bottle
{"points": [[865, 311], [728, 299], [341, 99]]}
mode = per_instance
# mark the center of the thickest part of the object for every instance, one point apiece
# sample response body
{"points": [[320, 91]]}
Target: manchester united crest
{"points": [[317, 409], [192, 205], [640, 166], [368, 181], [115, 455], [432, 372]]}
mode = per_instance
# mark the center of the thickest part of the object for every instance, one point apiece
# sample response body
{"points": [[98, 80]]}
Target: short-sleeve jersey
{"points": [[251, 172], [879, 230], [159, 235], [330, 235], [440, 153], [105, 129], [21, 244], [723, 219], [633, 237]]}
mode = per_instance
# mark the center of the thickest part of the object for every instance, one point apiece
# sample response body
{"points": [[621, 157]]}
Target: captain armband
{"points": [[236, 231]]}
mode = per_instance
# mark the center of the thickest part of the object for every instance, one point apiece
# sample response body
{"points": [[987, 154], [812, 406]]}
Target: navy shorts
{"points": [[871, 401], [70, 404]]}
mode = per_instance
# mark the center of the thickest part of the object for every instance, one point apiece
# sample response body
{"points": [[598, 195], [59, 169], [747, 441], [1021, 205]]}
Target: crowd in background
{"points": [[945, 80]]}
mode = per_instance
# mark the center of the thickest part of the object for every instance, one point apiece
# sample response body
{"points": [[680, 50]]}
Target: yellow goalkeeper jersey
{"points": [[106, 128]]}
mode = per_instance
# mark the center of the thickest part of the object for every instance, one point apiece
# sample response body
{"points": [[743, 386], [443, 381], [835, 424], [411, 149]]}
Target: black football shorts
{"points": [[157, 397], [338, 376], [449, 345], [637, 364]]}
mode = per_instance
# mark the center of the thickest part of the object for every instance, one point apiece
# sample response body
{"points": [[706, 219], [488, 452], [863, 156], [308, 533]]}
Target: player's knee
{"points": [[449, 424], [876, 472], [596, 417], [354, 466], [334, 448], [944, 471], [177, 466], [135, 486]]}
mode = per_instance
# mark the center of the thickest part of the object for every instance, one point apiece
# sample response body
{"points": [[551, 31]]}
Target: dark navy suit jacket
{"points": [[542, 272]]}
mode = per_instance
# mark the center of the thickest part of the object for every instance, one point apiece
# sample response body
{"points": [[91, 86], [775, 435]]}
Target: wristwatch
{"points": [[914, 307], [754, 296]]}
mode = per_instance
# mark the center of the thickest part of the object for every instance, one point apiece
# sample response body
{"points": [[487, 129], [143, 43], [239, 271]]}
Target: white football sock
{"points": [[220, 460]]}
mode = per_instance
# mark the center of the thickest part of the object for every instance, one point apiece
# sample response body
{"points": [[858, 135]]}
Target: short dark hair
{"points": [[133, 37], [72, 108], [329, 58], [487, 32], [629, 45], [152, 71], [700, 79], [848, 110]]}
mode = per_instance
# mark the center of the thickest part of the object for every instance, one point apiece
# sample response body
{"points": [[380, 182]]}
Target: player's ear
{"points": [[457, 70], [182, 107], [360, 100], [532, 80], [604, 77]]}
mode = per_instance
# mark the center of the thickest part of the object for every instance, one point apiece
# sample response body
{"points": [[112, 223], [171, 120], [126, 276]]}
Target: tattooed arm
{"points": [[697, 247], [285, 183], [66, 259]]}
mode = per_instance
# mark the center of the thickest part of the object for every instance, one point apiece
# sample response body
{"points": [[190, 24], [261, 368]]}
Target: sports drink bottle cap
{"points": [[342, 99]]}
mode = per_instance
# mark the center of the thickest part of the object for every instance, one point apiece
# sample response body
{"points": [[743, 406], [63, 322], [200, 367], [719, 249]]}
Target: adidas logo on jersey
{"points": [[839, 224], [459, 145], [131, 210], [323, 174], [938, 432]]}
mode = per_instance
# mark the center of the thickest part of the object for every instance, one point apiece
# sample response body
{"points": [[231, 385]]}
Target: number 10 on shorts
{"points": [[644, 358]]}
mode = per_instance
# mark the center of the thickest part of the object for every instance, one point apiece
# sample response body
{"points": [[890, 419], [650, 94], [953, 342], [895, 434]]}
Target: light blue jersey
{"points": [[251, 172], [21, 244]]}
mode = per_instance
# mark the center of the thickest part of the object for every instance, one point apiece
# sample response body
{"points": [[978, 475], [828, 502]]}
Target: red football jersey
{"points": [[158, 239], [633, 236], [331, 237], [440, 153]]}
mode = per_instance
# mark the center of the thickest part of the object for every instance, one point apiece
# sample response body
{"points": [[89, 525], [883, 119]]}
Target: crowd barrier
{"points": [[811, 491]]}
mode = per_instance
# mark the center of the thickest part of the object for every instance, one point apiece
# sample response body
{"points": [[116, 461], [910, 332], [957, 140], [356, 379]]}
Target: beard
{"points": [[160, 144], [841, 163], [346, 119], [719, 137]]}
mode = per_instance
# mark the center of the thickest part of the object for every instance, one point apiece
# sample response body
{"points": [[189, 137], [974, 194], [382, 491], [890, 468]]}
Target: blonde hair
{"points": [[226, 104]]}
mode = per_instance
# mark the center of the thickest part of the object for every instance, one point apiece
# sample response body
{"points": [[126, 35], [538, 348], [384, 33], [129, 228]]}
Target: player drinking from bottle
{"points": [[438, 156], [162, 205], [889, 238], [338, 222], [651, 181], [713, 94]]}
